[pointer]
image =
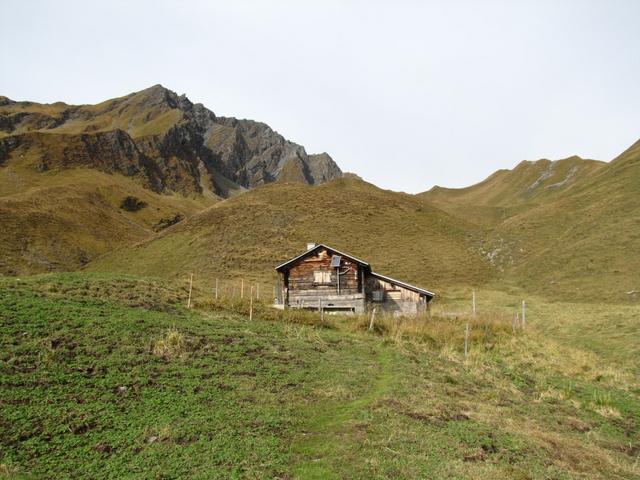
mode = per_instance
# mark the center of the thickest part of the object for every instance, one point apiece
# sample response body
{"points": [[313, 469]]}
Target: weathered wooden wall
{"points": [[302, 277], [395, 297], [304, 290]]}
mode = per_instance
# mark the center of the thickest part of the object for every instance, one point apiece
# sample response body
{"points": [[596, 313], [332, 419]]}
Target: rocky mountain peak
{"points": [[165, 140], [157, 96]]}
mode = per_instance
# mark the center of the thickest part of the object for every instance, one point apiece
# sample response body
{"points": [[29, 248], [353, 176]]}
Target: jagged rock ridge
{"points": [[164, 140]]}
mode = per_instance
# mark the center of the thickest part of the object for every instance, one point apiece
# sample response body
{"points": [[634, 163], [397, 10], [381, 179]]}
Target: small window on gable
{"points": [[322, 277]]}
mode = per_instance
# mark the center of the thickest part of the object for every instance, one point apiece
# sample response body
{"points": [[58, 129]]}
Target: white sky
{"points": [[407, 94]]}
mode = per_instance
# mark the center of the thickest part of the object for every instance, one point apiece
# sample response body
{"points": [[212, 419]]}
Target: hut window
{"points": [[377, 295], [322, 277]]}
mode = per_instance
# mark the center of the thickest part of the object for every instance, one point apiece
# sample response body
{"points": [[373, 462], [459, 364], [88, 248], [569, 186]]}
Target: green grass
{"points": [[108, 376]]}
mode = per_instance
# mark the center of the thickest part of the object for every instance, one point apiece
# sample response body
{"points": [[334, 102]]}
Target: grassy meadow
{"points": [[110, 376]]}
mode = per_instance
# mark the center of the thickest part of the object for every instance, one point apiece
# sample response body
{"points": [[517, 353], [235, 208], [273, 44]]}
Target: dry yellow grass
{"points": [[56, 221], [246, 236], [171, 345]]}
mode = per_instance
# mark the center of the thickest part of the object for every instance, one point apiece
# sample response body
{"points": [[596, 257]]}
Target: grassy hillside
{"points": [[566, 235], [569, 235], [507, 193], [248, 235], [581, 244], [565, 229], [108, 376], [54, 221], [529, 182]]}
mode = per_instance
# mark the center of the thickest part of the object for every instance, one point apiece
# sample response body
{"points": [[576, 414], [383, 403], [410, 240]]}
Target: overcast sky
{"points": [[407, 94]]}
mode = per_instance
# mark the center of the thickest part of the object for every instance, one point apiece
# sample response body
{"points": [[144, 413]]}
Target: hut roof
{"points": [[282, 266], [408, 286]]}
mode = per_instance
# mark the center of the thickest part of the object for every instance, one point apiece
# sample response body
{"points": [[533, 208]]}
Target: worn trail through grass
{"points": [[332, 432]]}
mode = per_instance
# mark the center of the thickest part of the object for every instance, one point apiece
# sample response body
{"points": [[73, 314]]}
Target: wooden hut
{"points": [[323, 277]]}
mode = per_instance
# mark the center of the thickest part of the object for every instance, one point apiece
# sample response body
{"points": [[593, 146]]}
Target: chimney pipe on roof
{"points": [[310, 245]]}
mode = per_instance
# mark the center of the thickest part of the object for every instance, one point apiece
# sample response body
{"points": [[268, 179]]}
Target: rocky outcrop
{"points": [[322, 168], [160, 138]]}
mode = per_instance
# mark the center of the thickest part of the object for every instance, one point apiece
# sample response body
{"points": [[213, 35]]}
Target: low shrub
{"points": [[132, 204]]}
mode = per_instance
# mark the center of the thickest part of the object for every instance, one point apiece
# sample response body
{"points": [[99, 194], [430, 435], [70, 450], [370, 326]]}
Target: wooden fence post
{"points": [[190, 287], [321, 307], [524, 315], [216, 288], [474, 303], [466, 341], [251, 305], [241, 288], [373, 317], [257, 291]]}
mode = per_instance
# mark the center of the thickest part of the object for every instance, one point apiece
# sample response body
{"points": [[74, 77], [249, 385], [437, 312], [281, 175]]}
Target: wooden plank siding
{"points": [[393, 297], [302, 275], [395, 292], [305, 289]]}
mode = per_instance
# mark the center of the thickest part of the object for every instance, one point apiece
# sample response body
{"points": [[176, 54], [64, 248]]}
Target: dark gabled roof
{"points": [[318, 246], [403, 284]]}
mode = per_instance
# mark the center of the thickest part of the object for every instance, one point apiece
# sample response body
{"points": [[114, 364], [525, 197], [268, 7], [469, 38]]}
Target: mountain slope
{"points": [[584, 243], [163, 140], [54, 221], [507, 192], [246, 236], [65, 171], [567, 228]]}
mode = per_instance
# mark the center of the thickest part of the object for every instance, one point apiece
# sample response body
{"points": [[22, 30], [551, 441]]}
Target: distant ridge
{"points": [[526, 181], [565, 227]]}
